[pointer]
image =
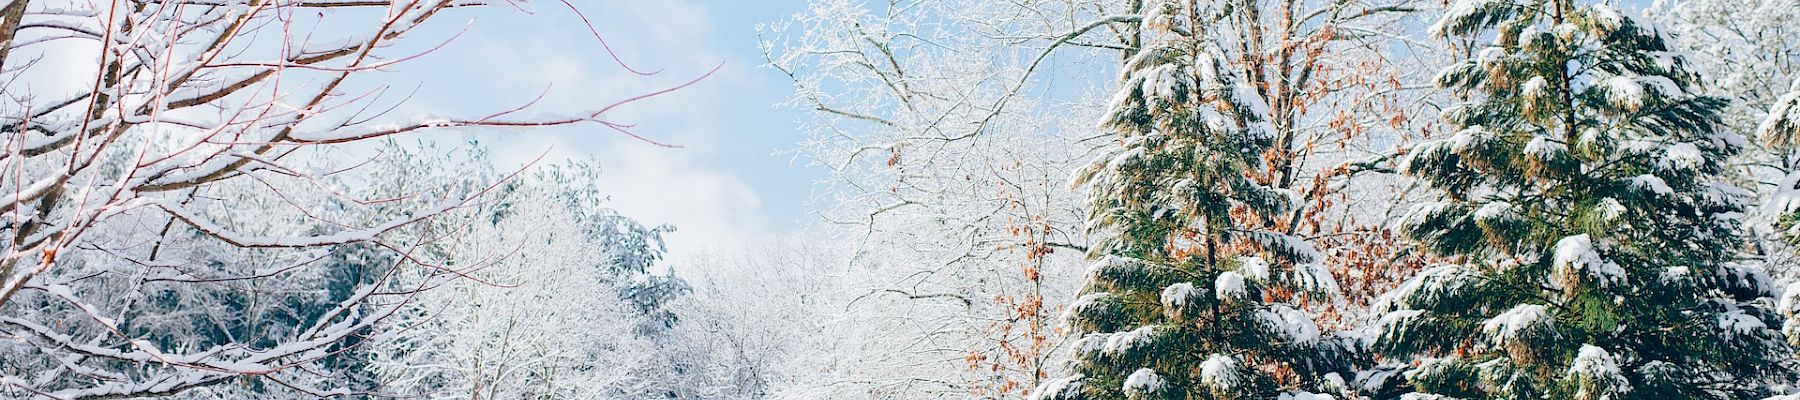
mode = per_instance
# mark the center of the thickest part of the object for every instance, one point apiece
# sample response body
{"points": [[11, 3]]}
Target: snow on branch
{"points": [[194, 158], [215, 230], [1781, 128]]}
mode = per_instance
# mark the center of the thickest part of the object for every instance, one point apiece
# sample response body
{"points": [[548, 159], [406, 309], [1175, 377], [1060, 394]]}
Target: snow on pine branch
{"points": [[1523, 322], [1577, 263], [1597, 375], [1143, 382], [1781, 128]]}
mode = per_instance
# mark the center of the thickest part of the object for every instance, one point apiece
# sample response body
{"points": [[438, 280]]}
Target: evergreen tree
{"points": [[1781, 128], [1184, 298], [1780, 131], [1592, 235]]}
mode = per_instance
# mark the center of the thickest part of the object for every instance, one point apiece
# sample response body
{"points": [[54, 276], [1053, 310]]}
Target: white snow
{"points": [[1390, 323], [1576, 258], [1746, 275], [1607, 18], [1334, 383], [1294, 325], [1143, 381], [1631, 92], [1164, 24], [1374, 379], [1786, 196], [1090, 345], [1665, 61], [1789, 303], [1467, 138], [1589, 136], [1609, 208], [32, 192], [1459, 11], [1305, 396], [1126, 159], [1445, 278], [1167, 82], [1723, 193], [1286, 244], [1534, 88], [1672, 274], [1544, 148], [1527, 35], [1410, 160], [1782, 124], [1597, 375], [1316, 278], [1221, 372], [1517, 322], [1489, 56], [1100, 266], [1254, 268], [1651, 183], [1066, 387], [1637, 145], [1682, 155], [1662, 85], [1177, 295], [1229, 286], [1214, 120], [1624, 92], [1419, 213], [1129, 340], [1492, 210], [1736, 321], [1425, 396], [1082, 304]]}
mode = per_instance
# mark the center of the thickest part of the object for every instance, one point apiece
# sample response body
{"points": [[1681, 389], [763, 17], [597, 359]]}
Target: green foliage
{"points": [[1583, 196], [1177, 302]]}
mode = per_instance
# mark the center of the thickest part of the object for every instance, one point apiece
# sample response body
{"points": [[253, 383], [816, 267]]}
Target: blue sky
{"points": [[730, 182]]}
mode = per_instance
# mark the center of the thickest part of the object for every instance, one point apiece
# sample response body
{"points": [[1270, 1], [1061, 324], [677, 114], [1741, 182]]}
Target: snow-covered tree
{"points": [[557, 309], [1780, 131], [949, 128], [1746, 52], [177, 215], [964, 236], [1342, 80], [1743, 50], [1592, 236], [758, 312], [1780, 128], [1176, 304]]}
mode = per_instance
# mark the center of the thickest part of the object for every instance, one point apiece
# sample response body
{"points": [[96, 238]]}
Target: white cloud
{"points": [[709, 205], [709, 208], [508, 57]]}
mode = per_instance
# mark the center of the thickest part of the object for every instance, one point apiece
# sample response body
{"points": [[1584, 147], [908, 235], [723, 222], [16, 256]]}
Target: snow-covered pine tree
{"points": [[1780, 131], [1781, 128], [1177, 300], [1583, 205]]}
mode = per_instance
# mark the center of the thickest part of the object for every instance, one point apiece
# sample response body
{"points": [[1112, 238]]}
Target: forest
{"points": [[1020, 199]]}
